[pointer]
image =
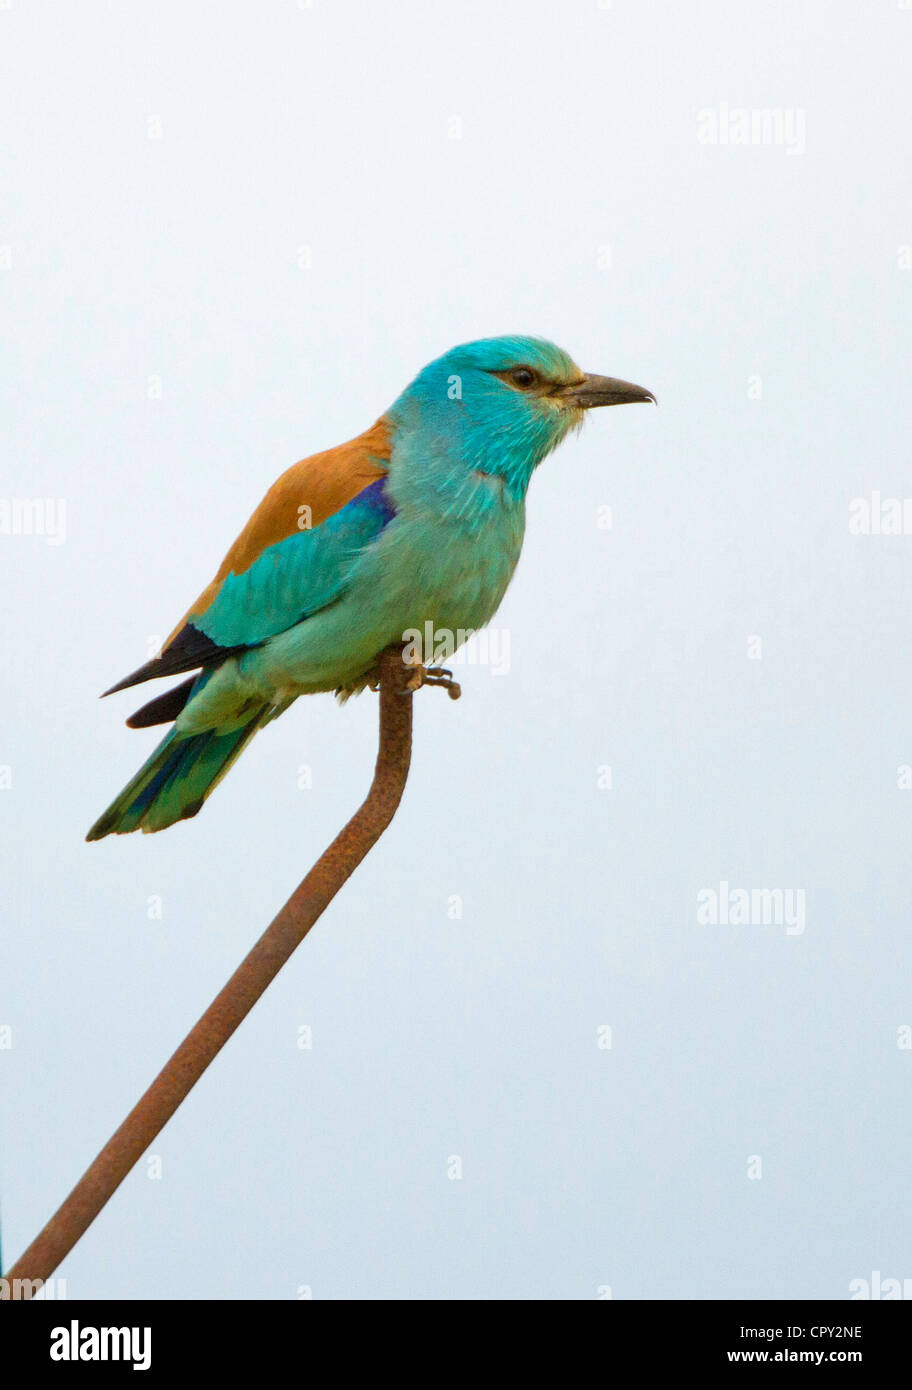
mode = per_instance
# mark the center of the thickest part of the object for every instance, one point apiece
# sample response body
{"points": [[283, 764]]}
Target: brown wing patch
{"points": [[304, 496]]}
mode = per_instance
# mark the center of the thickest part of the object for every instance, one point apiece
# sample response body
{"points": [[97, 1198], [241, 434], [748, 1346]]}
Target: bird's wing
{"points": [[290, 560]]}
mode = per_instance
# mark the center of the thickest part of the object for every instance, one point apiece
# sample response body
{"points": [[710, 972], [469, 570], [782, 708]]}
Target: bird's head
{"points": [[500, 405]]}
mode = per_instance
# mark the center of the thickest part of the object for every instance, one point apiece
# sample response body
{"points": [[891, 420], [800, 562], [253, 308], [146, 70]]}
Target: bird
{"points": [[414, 526]]}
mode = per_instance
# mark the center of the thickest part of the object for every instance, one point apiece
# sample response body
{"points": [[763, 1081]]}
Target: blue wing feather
{"points": [[297, 576]]}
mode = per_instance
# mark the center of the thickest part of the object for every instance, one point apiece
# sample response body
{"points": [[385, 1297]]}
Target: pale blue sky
{"points": [[230, 234]]}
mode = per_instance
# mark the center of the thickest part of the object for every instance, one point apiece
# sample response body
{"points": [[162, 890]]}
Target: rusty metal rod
{"points": [[247, 984]]}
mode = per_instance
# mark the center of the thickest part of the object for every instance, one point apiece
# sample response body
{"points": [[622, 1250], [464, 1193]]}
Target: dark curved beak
{"points": [[603, 390]]}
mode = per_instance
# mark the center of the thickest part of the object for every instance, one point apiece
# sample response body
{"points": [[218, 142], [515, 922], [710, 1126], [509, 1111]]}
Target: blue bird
{"points": [[414, 526]]}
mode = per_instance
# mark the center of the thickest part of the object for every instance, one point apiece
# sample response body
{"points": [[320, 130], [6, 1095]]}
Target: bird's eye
{"points": [[523, 377]]}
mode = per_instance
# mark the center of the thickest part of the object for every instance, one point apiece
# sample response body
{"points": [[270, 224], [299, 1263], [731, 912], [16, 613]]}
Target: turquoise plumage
{"points": [[419, 521]]}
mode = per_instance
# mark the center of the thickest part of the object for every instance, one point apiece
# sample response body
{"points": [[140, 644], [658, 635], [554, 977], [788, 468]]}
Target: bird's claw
{"points": [[440, 676], [437, 675], [418, 676]]}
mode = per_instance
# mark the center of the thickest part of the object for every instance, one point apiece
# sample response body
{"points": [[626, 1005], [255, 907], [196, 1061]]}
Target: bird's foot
{"points": [[433, 675], [418, 675]]}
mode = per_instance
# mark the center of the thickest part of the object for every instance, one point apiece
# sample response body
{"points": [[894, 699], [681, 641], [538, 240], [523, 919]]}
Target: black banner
{"points": [[114, 1338]]}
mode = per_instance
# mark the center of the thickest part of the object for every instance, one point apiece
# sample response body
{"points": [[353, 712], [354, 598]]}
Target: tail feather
{"points": [[164, 708], [173, 784]]}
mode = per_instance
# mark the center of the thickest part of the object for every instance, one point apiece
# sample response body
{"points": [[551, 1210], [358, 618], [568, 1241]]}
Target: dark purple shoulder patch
{"points": [[377, 497]]}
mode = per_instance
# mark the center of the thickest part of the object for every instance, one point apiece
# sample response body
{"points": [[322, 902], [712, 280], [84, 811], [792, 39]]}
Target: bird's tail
{"points": [[176, 780]]}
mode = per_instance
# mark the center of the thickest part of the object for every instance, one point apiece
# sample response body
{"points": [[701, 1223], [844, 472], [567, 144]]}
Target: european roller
{"points": [[415, 525]]}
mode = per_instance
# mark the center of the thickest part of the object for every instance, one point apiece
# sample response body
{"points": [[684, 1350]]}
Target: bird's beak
{"points": [[603, 390]]}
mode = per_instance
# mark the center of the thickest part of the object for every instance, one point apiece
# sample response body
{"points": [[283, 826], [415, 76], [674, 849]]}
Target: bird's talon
{"points": [[437, 675], [442, 677]]}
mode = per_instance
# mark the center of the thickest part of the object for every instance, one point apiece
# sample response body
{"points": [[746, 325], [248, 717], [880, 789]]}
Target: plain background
{"points": [[233, 233]]}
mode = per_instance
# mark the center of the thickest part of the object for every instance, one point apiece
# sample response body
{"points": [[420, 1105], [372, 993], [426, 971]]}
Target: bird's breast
{"points": [[451, 568]]}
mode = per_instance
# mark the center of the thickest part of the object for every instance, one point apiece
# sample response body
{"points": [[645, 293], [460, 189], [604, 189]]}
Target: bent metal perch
{"points": [[230, 1007]]}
